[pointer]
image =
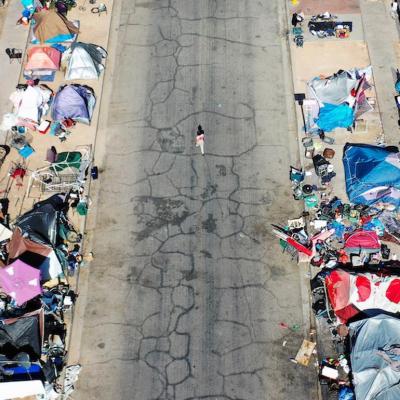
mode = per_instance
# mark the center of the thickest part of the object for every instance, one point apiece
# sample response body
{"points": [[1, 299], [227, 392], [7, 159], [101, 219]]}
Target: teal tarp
{"points": [[332, 116]]}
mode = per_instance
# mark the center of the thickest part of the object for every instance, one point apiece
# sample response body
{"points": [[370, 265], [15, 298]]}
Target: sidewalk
{"points": [[373, 41], [94, 28]]}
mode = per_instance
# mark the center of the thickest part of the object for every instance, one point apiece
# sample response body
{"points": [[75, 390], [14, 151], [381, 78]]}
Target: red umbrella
{"points": [[20, 281]]}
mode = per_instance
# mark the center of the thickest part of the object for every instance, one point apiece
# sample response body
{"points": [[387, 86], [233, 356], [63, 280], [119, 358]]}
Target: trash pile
{"points": [[326, 25], [38, 256], [351, 245], [321, 26], [41, 250]]}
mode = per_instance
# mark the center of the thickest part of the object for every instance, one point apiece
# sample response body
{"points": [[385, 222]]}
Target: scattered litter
{"points": [[305, 352]]}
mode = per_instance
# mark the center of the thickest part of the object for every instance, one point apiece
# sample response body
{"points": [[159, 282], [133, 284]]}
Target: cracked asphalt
{"points": [[188, 286]]}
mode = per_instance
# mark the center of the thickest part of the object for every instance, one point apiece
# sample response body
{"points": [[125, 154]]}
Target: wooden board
{"points": [[304, 354]]}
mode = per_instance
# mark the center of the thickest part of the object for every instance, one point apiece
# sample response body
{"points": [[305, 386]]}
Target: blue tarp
{"points": [[333, 116], [372, 174]]}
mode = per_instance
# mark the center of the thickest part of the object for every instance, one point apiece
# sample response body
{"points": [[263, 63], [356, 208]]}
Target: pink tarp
{"points": [[20, 281]]}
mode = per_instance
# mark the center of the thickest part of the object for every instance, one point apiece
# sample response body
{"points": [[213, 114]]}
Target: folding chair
{"points": [[14, 54]]}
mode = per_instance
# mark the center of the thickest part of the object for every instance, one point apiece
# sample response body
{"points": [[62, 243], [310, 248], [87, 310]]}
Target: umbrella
{"points": [[20, 281]]}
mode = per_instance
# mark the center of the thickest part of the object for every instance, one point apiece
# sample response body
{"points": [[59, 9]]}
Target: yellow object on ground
{"points": [[305, 352]]}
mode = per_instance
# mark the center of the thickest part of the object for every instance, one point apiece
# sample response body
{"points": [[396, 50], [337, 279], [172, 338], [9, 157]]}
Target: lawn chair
{"points": [[14, 54]]}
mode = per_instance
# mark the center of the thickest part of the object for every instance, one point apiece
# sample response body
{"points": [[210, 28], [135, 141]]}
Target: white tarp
{"points": [[16, 390], [29, 104]]}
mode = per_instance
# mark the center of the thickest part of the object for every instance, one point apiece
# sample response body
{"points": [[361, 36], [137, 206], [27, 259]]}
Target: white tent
{"points": [[83, 61]]}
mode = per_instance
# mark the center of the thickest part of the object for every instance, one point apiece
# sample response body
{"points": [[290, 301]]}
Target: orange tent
{"points": [[46, 58]]}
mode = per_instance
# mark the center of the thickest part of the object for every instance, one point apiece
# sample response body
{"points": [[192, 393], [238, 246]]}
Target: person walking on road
{"points": [[200, 139]]}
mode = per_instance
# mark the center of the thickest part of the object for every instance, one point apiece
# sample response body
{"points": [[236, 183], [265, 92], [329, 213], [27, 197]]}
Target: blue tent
{"points": [[73, 101], [372, 174]]}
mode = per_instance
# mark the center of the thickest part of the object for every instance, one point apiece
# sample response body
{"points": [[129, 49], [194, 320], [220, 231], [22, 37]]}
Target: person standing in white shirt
{"points": [[200, 139]]}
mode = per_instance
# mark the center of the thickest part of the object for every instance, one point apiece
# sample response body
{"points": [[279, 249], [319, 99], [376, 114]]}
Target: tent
{"points": [[350, 293], [37, 255], [84, 61], [40, 224], [372, 175], [42, 63], [51, 27], [22, 334], [375, 358], [74, 101], [362, 240]]}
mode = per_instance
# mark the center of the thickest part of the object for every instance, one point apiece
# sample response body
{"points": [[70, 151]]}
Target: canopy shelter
{"points": [[38, 255], [83, 61], [375, 358], [74, 101], [20, 281], [67, 172], [352, 293], [51, 27], [372, 175], [42, 63]]}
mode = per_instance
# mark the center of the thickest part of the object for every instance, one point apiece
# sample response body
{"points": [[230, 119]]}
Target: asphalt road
{"points": [[188, 286]]}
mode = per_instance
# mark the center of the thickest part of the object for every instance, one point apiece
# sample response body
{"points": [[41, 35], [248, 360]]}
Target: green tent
{"points": [[67, 159]]}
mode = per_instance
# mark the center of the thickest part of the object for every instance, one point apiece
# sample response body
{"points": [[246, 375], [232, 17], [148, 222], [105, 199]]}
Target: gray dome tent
{"points": [[84, 61]]}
